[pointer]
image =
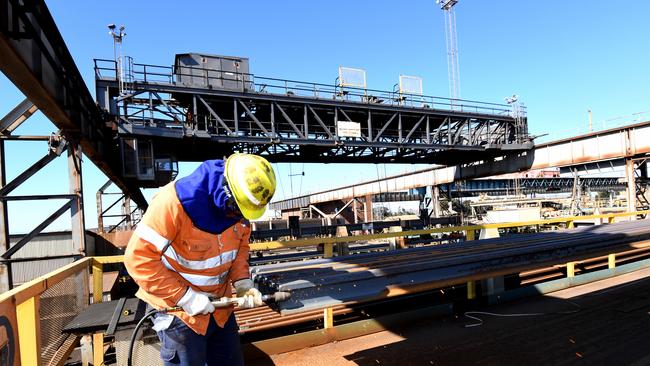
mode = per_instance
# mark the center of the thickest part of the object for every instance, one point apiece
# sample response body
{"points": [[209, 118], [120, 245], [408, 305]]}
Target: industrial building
{"points": [[502, 250]]}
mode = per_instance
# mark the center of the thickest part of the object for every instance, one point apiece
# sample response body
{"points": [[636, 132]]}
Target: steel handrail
{"points": [[142, 74]]}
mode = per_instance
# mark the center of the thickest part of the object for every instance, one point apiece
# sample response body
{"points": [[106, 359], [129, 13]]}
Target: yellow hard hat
{"points": [[252, 182]]}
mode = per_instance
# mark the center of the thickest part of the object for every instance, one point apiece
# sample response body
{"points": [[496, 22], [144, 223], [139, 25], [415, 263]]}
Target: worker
{"points": [[192, 243]]}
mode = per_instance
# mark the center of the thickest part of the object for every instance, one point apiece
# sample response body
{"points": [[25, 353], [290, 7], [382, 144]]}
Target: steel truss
{"points": [[299, 122], [128, 217], [73, 201], [536, 185], [37, 61]]}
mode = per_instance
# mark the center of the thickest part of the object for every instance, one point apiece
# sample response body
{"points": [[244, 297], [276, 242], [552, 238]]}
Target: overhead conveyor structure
{"points": [[195, 112]]}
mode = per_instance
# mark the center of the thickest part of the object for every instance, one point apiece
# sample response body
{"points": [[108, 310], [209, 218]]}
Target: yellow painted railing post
{"points": [[98, 349], [328, 318], [571, 269], [610, 219], [471, 285], [611, 261], [29, 332], [471, 290], [98, 293], [569, 224], [328, 250], [98, 281], [470, 235]]}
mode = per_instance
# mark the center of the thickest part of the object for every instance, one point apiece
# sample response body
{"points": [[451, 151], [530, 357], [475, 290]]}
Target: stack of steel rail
{"points": [[320, 283], [265, 318]]}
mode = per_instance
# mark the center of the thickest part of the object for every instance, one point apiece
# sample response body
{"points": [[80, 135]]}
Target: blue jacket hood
{"points": [[202, 196]]}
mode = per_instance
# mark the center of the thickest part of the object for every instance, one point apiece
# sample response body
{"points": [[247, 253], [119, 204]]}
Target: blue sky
{"points": [[561, 58]]}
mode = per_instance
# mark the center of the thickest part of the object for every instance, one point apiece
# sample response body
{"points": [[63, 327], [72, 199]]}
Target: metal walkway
{"points": [[290, 121]]}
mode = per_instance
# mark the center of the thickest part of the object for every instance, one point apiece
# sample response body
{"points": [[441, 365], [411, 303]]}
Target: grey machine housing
{"points": [[213, 71]]}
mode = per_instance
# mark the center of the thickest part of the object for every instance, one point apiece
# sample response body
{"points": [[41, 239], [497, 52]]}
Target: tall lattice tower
{"points": [[452, 47]]}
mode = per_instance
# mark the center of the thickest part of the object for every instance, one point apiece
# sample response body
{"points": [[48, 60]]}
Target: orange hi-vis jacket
{"points": [[167, 254]]}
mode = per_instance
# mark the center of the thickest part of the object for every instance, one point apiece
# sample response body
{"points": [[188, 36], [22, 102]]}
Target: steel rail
{"points": [[395, 265], [265, 318], [381, 275], [439, 251]]}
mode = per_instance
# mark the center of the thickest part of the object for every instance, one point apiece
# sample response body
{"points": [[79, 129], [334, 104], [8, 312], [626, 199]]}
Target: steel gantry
{"points": [[73, 201], [35, 59], [291, 121]]}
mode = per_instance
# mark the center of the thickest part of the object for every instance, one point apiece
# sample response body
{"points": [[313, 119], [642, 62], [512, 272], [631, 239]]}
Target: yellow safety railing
{"points": [[21, 306], [21, 309], [98, 292], [468, 229]]}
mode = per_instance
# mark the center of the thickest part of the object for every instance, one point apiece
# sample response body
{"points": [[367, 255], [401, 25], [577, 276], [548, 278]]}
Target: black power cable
{"points": [[146, 316]]}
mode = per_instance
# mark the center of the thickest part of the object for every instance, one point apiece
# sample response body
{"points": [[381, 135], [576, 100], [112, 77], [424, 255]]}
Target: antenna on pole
{"points": [[452, 47], [518, 113], [117, 53]]}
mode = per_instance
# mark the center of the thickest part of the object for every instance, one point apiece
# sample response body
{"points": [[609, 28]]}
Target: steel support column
{"points": [[367, 208], [631, 185], [100, 206], [78, 228], [5, 268], [126, 211], [435, 201]]}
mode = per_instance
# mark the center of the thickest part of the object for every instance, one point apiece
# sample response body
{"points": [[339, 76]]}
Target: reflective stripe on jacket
{"points": [[167, 253]]}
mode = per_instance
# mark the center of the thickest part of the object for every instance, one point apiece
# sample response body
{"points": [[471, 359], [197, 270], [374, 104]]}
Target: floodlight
{"points": [[511, 99]]}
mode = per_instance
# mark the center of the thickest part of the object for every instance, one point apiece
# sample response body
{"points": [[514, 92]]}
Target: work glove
{"points": [[194, 302], [249, 296]]}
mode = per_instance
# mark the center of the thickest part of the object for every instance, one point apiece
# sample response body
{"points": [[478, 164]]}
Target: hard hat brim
{"points": [[252, 214]]}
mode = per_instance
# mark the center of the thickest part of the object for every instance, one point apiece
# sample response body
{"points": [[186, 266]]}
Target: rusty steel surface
{"points": [[354, 279], [265, 318], [605, 323]]}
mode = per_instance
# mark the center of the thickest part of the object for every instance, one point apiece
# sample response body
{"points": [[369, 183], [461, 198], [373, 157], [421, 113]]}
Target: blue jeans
{"points": [[180, 345]]}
